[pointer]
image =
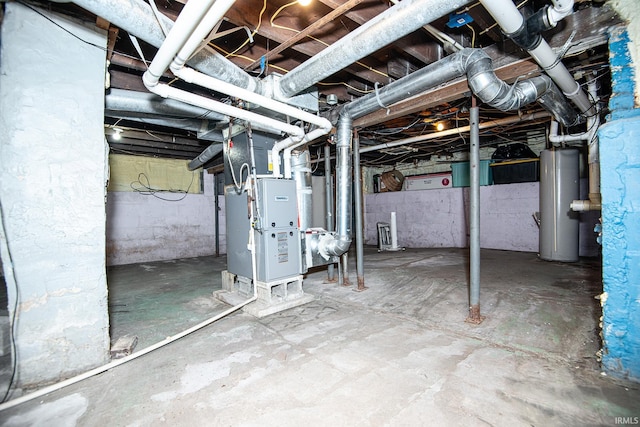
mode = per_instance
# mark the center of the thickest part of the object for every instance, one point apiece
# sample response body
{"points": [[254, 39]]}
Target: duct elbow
{"points": [[334, 245]]}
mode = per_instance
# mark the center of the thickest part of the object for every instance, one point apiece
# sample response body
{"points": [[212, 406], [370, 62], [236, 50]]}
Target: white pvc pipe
{"points": [[273, 125], [118, 362], [197, 35], [54, 387], [187, 21], [316, 133], [394, 231], [192, 76], [507, 15]]}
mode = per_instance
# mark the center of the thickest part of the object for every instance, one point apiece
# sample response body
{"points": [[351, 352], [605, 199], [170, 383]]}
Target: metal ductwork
{"points": [[145, 104], [482, 81], [137, 18], [398, 21], [209, 153]]}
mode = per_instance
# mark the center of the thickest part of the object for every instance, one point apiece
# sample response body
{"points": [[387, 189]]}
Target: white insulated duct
{"points": [[144, 104], [137, 18], [193, 24], [396, 22]]}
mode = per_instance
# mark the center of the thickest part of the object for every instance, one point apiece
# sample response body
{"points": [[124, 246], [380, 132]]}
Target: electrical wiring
{"points": [[146, 189], [253, 33], [282, 27], [12, 330], [346, 85]]}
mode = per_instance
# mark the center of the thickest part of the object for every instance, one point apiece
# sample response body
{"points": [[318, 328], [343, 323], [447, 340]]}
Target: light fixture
{"points": [[304, 2], [439, 126], [117, 134]]}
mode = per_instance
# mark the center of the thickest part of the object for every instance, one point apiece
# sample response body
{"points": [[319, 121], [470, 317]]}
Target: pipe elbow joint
{"points": [[150, 81], [334, 246]]}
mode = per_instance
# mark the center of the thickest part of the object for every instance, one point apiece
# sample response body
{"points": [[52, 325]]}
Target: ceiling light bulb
{"points": [[439, 127], [117, 134], [304, 2]]}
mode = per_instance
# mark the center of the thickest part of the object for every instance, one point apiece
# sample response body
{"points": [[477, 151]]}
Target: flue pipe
{"points": [[396, 22]]}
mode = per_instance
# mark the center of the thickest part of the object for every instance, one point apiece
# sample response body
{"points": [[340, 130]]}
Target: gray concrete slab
{"points": [[396, 354]]}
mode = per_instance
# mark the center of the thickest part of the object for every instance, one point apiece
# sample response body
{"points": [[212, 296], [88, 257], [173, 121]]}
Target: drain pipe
{"points": [[594, 202], [508, 17], [180, 34], [190, 75], [474, 216], [387, 27], [357, 192]]}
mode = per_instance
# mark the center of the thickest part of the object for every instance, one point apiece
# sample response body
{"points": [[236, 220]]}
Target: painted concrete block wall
{"points": [[425, 219], [52, 188], [506, 216], [143, 228], [620, 174], [439, 218]]}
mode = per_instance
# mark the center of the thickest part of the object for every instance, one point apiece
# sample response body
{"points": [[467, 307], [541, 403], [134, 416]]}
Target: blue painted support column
{"points": [[620, 187]]}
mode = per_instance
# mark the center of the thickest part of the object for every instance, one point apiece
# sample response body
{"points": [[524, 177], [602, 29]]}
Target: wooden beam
{"points": [[340, 10]]}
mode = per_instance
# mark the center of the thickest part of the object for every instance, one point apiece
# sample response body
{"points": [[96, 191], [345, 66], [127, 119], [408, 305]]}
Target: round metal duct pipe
{"points": [[301, 173]]}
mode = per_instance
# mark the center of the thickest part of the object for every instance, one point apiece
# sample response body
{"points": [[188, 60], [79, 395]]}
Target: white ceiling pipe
{"points": [[271, 125], [286, 155], [324, 125], [187, 22], [508, 17], [560, 9], [137, 18], [192, 76]]}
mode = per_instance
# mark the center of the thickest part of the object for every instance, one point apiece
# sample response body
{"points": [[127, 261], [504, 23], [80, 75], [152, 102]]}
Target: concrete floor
{"points": [[399, 353]]}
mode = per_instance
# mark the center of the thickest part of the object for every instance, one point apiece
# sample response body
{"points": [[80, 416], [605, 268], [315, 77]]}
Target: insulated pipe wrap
{"points": [[137, 19], [396, 22]]}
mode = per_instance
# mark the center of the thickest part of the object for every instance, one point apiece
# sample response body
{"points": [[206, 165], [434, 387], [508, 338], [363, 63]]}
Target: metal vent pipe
{"points": [[482, 81]]}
